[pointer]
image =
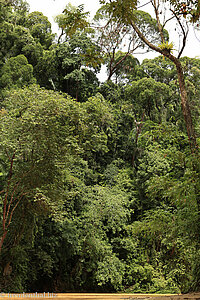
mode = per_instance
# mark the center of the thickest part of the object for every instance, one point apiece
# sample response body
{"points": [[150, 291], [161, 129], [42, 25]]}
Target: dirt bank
{"points": [[90, 296]]}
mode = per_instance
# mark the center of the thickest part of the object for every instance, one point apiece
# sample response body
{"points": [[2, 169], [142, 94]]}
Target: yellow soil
{"points": [[91, 296]]}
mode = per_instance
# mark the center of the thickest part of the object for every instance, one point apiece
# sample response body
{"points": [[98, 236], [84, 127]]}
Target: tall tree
{"points": [[32, 147], [125, 11], [40, 28], [114, 36], [71, 20]]}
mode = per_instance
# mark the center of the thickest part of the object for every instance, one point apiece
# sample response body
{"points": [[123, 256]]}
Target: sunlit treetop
{"points": [[125, 8], [190, 9], [122, 8], [73, 19]]}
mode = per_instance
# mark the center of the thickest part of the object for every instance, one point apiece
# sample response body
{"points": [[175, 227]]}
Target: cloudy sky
{"points": [[51, 8]]}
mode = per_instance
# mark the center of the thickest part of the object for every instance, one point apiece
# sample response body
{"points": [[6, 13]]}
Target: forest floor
{"points": [[91, 296]]}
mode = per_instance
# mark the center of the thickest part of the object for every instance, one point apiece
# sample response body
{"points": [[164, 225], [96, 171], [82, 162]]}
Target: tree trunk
{"points": [[183, 93], [2, 239], [185, 105]]}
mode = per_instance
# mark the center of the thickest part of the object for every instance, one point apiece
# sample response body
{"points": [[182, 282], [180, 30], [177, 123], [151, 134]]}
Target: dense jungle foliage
{"points": [[99, 186]]}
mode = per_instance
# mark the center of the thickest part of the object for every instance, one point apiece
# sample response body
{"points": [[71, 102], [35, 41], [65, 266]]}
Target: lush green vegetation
{"points": [[99, 182]]}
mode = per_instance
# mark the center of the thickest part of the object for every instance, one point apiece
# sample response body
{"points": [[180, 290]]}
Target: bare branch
{"points": [[183, 31], [11, 199], [11, 214], [142, 37], [160, 28], [168, 21], [144, 4], [121, 60], [62, 33]]}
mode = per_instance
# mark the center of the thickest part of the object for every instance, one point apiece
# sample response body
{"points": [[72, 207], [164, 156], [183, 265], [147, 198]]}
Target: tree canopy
{"points": [[99, 181]]}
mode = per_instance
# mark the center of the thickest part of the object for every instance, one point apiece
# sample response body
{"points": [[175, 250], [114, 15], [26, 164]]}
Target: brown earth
{"points": [[91, 296], [194, 296]]}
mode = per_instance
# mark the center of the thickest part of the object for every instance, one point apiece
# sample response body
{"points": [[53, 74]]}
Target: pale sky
{"points": [[51, 8]]}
